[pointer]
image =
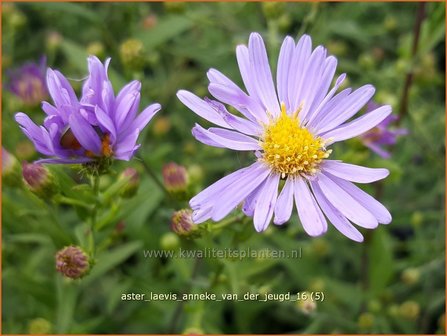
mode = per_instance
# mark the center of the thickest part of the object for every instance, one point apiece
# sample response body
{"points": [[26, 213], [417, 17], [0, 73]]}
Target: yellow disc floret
{"points": [[291, 149]]}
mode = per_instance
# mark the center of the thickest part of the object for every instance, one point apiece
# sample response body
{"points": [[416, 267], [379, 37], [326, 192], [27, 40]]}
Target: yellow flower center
{"points": [[291, 149]]}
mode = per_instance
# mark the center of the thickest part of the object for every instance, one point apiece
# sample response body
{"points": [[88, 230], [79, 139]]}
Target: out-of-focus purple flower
{"points": [[289, 129], [99, 125], [28, 82], [383, 134], [72, 262]]}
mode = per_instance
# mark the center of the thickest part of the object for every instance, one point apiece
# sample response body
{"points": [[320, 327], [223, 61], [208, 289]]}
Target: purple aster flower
{"points": [[28, 82], [289, 129], [98, 126], [382, 134]]}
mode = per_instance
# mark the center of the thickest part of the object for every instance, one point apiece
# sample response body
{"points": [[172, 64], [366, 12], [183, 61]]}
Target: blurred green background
{"points": [[392, 283]]}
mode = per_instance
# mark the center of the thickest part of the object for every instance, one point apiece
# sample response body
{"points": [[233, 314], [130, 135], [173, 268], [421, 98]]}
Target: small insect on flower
{"points": [[289, 129], [99, 126]]}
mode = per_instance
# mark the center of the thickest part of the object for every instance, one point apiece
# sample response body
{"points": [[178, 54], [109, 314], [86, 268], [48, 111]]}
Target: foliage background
{"points": [[392, 283]]}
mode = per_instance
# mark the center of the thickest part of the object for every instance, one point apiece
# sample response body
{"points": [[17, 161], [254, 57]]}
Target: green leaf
{"points": [[165, 30], [108, 260], [69, 8], [381, 266]]}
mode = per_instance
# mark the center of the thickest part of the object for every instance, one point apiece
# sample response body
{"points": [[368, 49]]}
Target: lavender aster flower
{"points": [[98, 126], [289, 130], [382, 135], [28, 82]]}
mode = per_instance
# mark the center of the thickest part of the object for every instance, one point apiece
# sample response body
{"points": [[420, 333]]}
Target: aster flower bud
{"points": [[162, 126], [175, 178], [96, 48], [133, 182], [411, 276], [11, 170], [150, 21], [132, 54], [39, 180], [169, 241], [182, 223], [39, 326], [72, 262], [53, 41], [409, 310], [366, 321]]}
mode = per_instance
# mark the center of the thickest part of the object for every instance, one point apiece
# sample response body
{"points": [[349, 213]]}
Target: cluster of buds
{"points": [[72, 262]]}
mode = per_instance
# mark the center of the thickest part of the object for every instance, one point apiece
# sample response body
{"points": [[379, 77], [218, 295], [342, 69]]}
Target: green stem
{"points": [[95, 185], [227, 222], [154, 177], [71, 201]]}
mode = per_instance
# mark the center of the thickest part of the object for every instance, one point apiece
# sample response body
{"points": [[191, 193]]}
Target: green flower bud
{"points": [[411, 276], [195, 173], [192, 330], [366, 321], [133, 182], [39, 326], [374, 306], [72, 262], [273, 9], [409, 310], [175, 7], [132, 54], [169, 241], [11, 170], [161, 126], [96, 48], [53, 41], [284, 22], [39, 180]]}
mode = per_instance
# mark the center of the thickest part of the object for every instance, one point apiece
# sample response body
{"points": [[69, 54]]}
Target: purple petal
{"points": [[309, 212], [250, 202], [208, 194], [358, 126], [367, 201], [335, 217], [345, 203], [106, 122], [312, 74], [85, 133], [378, 150], [354, 173], [284, 204], [234, 194], [300, 59], [127, 146], [146, 116], [33, 132], [262, 74], [227, 138], [282, 75], [60, 89], [243, 60], [49, 109], [350, 106], [201, 108], [240, 124], [327, 106], [239, 100], [321, 90], [265, 204], [126, 108]]}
